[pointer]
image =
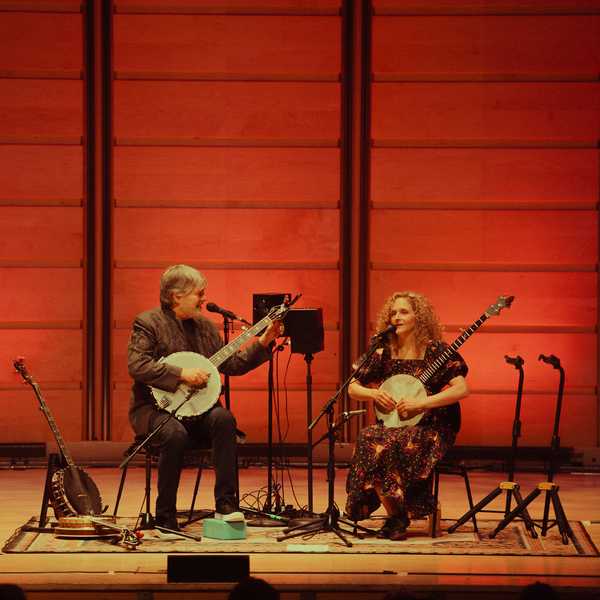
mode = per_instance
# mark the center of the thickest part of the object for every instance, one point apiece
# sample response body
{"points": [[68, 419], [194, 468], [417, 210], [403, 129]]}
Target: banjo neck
{"points": [[22, 370], [228, 351], [441, 360]]}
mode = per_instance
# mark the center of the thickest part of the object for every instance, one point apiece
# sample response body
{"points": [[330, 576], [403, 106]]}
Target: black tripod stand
{"points": [[510, 487], [548, 487], [330, 520]]}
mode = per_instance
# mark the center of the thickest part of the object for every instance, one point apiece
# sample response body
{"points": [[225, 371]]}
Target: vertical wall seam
{"points": [[365, 174], [89, 260], [346, 189], [346, 184], [107, 176]]}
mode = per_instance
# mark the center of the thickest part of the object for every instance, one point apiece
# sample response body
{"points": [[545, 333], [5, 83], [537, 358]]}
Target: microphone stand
{"points": [[227, 327], [147, 520], [330, 520]]}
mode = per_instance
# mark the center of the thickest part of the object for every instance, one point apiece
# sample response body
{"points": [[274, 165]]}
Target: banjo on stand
{"points": [[188, 401], [401, 386], [72, 491]]}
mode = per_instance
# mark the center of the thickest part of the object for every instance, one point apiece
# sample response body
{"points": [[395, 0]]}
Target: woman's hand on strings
{"points": [[384, 403]]}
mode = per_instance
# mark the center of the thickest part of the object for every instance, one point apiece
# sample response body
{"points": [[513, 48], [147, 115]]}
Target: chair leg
{"points": [[465, 476], [195, 494], [148, 481], [120, 492], [433, 522], [146, 520]]}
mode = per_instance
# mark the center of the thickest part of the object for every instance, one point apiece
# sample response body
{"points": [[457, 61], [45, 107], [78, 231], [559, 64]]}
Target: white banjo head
{"points": [[400, 386], [202, 399]]}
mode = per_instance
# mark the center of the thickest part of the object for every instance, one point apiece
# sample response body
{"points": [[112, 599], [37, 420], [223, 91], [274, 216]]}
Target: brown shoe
{"points": [[394, 529], [398, 532]]}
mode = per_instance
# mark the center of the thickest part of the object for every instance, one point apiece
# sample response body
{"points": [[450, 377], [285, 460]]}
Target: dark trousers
{"points": [[216, 428]]}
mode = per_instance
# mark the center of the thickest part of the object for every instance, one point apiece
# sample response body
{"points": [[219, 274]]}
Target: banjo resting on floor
{"points": [[72, 491], [402, 386], [187, 401]]}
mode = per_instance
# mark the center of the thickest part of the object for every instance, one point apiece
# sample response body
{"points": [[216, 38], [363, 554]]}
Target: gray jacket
{"points": [[157, 333]]}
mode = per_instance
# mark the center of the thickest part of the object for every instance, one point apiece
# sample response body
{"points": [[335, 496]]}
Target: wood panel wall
{"points": [[225, 152], [226, 157], [42, 207], [484, 170]]}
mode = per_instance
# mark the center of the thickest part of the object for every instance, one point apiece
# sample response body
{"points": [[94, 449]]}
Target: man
{"points": [[178, 325]]}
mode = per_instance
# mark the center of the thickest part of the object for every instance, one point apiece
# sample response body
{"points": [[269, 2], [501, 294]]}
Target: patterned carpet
{"points": [[514, 540]]}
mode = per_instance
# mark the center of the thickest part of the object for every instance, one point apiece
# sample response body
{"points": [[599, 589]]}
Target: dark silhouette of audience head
{"points": [[253, 588], [538, 591], [399, 595], [10, 591]]}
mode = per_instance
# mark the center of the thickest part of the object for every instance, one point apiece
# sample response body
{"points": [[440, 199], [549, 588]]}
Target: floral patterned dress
{"points": [[401, 459]]}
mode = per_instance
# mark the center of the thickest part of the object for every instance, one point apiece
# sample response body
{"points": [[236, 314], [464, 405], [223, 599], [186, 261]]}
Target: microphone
{"points": [[379, 336], [352, 413], [212, 307]]}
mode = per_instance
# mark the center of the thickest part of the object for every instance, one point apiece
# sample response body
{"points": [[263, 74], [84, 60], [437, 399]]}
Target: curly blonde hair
{"points": [[427, 325]]}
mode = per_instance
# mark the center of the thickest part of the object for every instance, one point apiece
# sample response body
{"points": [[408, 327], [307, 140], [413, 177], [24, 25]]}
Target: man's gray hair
{"points": [[179, 279]]}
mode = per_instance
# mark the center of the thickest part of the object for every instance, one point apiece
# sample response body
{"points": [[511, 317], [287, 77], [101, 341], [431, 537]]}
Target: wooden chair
{"points": [[448, 467]]}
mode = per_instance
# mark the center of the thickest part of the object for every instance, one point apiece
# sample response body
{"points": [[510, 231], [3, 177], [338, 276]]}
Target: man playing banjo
{"points": [[179, 326]]}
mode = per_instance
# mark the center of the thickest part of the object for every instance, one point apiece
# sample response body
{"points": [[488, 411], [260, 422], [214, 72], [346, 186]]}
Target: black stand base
{"points": [[551, 491], [512, 490], [145, 521], [329, 522], [257, 518]]}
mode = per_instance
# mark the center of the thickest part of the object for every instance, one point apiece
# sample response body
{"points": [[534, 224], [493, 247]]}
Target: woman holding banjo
{"points": [[392, 465]]}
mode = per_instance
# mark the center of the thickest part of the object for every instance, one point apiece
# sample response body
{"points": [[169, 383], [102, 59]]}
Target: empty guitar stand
{"points": [[510, 487], [547, 487]]}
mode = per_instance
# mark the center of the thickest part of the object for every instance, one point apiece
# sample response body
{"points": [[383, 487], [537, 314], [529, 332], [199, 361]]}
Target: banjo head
{"points": [[398, 386], [202, 399]]}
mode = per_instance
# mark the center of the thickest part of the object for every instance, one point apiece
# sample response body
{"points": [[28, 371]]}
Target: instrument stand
{"points": [[330, 520], [55, 463], [548, 487], [510, 487]]}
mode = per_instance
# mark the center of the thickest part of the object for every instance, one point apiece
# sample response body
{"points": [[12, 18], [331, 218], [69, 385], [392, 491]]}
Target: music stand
{"points": [[510, 487], [548, 487]]}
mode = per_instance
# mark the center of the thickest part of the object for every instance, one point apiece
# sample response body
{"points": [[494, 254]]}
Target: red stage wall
{"points": [[227, 155]]}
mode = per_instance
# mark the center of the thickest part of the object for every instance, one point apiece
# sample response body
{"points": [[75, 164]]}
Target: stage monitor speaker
{"points": [[263, 303], [304, 326], [207, 567]]}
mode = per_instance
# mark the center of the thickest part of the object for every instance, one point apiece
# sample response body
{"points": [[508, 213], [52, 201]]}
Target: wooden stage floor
{"points": [[300, 576]]}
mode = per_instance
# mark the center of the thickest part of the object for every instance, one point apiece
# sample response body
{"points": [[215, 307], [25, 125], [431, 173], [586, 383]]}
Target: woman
{"points": [[393, 465]]}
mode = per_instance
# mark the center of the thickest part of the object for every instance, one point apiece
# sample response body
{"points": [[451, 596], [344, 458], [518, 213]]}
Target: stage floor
{"points": [[301, 576]]}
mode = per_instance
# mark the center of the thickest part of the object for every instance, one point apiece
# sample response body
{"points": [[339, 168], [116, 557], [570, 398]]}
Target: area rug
{"points": [[514, 540]]}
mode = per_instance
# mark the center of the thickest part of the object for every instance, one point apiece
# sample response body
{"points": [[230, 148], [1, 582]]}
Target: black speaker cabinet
{"points": [[207, 567], [263, 303], [304, 326]]}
